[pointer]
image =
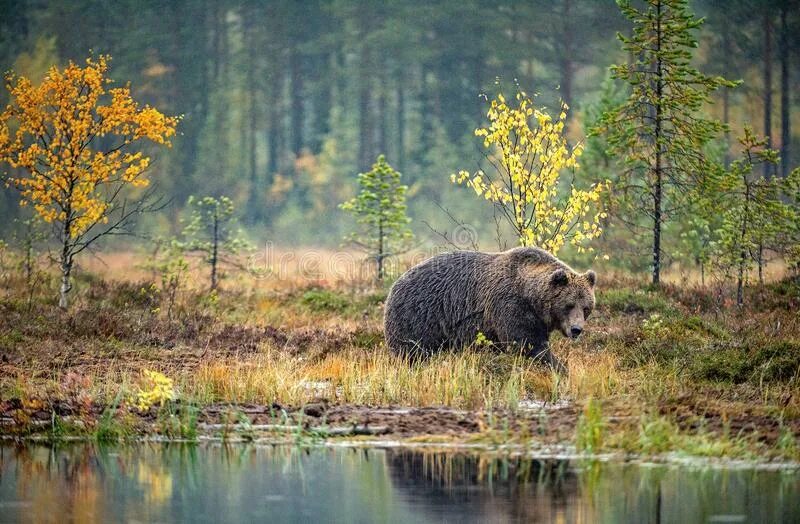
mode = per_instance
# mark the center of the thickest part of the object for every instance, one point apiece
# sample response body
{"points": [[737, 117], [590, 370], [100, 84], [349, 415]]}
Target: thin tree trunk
{"points": [[66, 285], [65, 262], [220, 72], [29, 255], [324, 101], [401, 128], [255, 190], [726, 93], [567, 53], [383, 124], [379, 258], [786, 88], [216, 43], [658, 186], [364, 114], [253, 197], [740, 284], [743, 253], [297, 114], [529, 40], [214, 252], [426, 108], [253, 203], [275, 120], [767, 86], [702, 274]]}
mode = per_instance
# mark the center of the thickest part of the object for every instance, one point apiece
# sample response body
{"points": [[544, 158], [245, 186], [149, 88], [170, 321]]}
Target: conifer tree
{"points": [[758, 212], [659, 129], [212, 232], [380, 211]]}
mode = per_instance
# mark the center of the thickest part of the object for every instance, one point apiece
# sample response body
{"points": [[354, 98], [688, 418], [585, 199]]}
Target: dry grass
{"points": [[469, 380]]}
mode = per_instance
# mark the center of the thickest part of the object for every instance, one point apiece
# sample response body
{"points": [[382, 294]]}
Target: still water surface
{"points": [[249, 483]]}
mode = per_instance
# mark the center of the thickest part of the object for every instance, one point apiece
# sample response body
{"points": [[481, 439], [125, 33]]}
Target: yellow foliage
{"points": [[158, 389], [528, 161], [50, 131]]}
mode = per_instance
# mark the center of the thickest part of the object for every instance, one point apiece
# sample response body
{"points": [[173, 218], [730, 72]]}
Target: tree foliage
{"points": [[528, 153], [757, 212], [75, 146], [380, 212]]}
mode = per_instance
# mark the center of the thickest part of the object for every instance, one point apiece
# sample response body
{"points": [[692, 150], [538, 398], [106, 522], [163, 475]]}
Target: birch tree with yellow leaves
{"points": [[75, 143], [528, 152]]}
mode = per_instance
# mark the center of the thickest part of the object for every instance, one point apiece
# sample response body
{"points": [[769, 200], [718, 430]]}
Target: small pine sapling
{"points": [[380, 212], [756, 211], [212, 232]]}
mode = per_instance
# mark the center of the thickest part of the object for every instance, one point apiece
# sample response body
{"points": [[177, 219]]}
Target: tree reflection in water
{"points": [[245, 483]]}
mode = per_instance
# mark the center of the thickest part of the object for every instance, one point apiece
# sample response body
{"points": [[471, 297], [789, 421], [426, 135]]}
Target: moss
{"points": [[779, 361], [696, 325], [773, 362], [325, 300], [373, 299], [367, 339], [787, 287], [10, 339], [632, 301], [728, 365], [320, 300]]}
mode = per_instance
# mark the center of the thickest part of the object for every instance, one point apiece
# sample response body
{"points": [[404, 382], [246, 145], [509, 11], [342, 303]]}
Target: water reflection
{"points": [[238, 483]]}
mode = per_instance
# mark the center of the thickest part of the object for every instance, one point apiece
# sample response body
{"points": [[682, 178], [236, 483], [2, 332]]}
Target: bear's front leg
{"points": [[534, 339], [540, 352]]}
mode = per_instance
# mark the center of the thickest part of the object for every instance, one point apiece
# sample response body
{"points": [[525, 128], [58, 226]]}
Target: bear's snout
{"points": [[575, 331]]}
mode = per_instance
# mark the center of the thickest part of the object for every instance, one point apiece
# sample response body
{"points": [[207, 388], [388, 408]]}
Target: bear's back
{"points": [[428, 303]]}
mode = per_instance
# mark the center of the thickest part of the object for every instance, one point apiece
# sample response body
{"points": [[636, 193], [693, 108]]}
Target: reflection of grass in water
{"points": [[447, 468]]}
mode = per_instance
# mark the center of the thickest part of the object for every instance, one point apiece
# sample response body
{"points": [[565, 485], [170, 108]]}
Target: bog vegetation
{"points": [[198, 322]]}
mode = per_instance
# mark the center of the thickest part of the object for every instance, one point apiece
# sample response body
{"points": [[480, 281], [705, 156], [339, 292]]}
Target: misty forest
{"points": [[211, 210]]}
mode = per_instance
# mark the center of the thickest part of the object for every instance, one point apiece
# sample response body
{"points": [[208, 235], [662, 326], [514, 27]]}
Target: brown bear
{"points": [[517, 297]]}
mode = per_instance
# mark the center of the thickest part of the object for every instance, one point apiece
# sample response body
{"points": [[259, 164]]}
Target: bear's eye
{"points": [[586, 313], [569, 307]]}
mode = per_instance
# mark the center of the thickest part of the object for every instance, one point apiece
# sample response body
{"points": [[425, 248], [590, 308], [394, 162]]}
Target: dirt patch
{"points": [[553, 425], [93, 339], [734, 421], [543, 425]]}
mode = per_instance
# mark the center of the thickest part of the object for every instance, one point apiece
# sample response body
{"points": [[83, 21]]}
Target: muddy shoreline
{"points": [[540, 428]]}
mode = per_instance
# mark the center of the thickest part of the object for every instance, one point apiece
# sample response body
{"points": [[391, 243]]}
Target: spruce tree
{"points": [[380, 212], [659, 129]]}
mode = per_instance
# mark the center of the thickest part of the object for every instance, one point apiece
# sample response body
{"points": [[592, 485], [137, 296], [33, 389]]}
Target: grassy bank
{"points": [[658, 371]]}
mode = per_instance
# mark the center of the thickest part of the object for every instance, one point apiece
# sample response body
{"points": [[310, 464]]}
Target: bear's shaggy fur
{"points": [[515, 297]]}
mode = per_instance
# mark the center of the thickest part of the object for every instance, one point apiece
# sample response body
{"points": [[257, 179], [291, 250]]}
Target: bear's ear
{"points": [[591, 276], [559, 278]]}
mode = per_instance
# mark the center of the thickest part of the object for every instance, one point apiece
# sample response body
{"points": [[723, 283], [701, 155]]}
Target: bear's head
{"points": [[571, 300]]}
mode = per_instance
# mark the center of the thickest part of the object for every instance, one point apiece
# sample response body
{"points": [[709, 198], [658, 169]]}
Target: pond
{"points": [[257, 483]]}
